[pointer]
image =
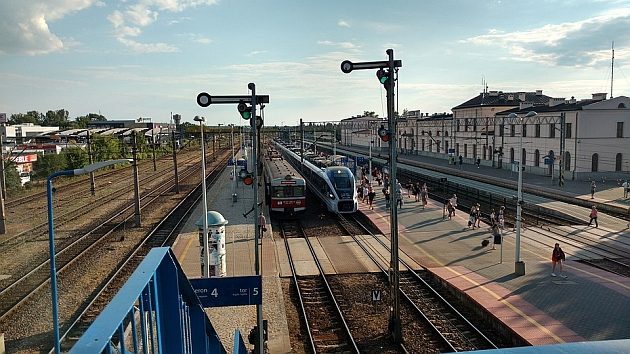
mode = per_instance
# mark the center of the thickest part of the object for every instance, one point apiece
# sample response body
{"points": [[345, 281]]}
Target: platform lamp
{"points": [[51, 235], [519, 266], [206, 254]]}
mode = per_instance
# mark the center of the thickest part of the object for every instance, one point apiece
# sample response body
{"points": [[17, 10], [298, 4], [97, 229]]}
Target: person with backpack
{"points": [[557, 257]]}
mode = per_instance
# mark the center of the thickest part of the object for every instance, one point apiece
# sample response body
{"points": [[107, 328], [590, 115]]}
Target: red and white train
{"points": [[285, 189]]}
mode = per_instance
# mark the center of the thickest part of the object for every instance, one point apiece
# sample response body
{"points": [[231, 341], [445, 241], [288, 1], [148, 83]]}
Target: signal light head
{"points": [[383, 76], [383, 133], [244, 110], [248, 180]]}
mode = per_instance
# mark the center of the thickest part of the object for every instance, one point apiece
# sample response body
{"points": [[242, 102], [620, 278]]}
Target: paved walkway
{"points": [[240, 261], [588, 305]]}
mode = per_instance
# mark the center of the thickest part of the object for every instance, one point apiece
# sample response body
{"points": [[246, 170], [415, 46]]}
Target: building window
{"points": [[437, 146], [512, 130], [537, 158], [620, 129], [524, 130], [567, 130], [465, 124], [446, 146], [465, 150], [458, 124], [511, 155], [523, 157], [474, 124], [537, 130], [474, 151], [457, 149], [594, 162], [567, 161], [501, 127], [430, 145], [422, 144], [552, 130], [618, 162]]}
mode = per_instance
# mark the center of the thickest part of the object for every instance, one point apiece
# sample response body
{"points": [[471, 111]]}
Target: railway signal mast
{"points": [[386, 70], [246, 106]]}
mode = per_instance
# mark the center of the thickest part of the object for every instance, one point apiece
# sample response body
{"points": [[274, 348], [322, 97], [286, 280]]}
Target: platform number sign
{"points": [[228, 291], [376, 295]]}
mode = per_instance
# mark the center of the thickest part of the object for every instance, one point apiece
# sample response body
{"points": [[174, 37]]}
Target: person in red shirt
{"points": [[557, 257], [593, 216]]}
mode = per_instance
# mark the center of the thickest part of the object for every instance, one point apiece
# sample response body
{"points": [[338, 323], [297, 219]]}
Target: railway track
{"points": [[29, 284], [69, 215], [452, 330], [327, 329], [163, 234]]}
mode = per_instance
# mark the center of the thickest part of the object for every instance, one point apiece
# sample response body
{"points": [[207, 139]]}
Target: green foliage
{"points": [[76, 157], [105, 147], [30, 117], [12, 178], [49, 163], [83, 121], [57, 118]]}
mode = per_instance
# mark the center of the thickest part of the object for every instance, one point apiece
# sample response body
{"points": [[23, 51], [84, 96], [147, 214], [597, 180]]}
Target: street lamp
{"points": [[206, 254], [51, 235], [234, 196], [519, 266]]}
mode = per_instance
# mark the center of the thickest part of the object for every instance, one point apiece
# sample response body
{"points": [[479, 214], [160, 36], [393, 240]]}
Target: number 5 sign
{"points": [[228, 291]]}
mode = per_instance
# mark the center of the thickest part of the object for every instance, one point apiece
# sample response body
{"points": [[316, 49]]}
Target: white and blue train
{"points": [[334, 185]]}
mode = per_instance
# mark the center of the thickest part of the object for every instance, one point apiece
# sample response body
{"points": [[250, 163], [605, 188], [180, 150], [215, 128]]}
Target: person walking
{"points": [[371, 195], [493, 216], [471, 217], [450, 209], [454, 203], [501, 217], [593, 186], [461, 160], [496, 236], [626, 189], [557, 257], [424, 195], [478, 162], [478, 216], [262, 224], [593, 216]]}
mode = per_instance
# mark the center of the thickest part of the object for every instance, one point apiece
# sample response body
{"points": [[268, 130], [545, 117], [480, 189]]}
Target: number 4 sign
{"points": [[228, 291]]}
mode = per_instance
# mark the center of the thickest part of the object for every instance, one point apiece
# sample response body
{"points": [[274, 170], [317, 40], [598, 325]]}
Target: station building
{"points": [[594, 137]]}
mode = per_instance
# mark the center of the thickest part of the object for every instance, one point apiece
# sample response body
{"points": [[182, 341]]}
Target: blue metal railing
{"points": [[156, 311]]}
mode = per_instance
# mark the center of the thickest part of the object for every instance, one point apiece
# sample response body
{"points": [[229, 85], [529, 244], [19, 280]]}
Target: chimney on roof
{"points": [[600, 96], [572, 100], [538, 92], [555, 101], [524, 105], [510, 97], [522, 96], [493, 93]]}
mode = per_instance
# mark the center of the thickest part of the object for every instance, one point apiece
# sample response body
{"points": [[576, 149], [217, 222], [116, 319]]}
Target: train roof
{"points": [[277, 168]]}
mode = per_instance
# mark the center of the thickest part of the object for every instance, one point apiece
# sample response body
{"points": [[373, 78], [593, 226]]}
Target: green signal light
{"points": [[384, 79], [246, 115]]}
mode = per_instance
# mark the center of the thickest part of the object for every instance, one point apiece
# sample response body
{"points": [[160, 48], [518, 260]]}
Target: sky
{"points": [[149, 58]]}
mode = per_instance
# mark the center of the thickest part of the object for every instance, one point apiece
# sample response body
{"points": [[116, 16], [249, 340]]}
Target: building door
{"points": [[594, 162]]}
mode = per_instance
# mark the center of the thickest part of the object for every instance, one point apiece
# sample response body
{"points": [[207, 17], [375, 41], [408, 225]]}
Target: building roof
{"points": [[504, 99], [569, 105]]}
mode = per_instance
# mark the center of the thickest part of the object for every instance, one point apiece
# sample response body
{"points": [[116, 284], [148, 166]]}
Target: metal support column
{"points": [[136, 182]]}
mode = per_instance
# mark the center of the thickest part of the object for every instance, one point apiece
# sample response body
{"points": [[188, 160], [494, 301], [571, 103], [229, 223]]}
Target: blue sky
{"points": [[148, 58]]}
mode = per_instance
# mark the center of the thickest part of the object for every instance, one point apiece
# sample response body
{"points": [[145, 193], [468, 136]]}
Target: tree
{"points": [[12, 178], [33, 117], [57, 118], [105, 147], [49, 163], [83, 121], [76, 157]]}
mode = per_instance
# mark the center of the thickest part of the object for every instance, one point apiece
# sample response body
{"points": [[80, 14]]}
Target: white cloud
{"points": [[142, 13], [24, 24], [579, 43], [343, 23], [344, 45], [256, 52]]}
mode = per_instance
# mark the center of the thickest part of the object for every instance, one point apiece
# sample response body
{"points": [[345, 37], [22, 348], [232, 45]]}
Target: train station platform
{"points": [[606, 192], [240, 260], [589, 304]]}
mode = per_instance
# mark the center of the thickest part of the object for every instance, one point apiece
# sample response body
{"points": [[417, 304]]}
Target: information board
{"points": [[228, 291]]}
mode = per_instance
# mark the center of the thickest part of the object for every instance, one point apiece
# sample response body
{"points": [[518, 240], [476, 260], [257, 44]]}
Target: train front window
{"points": [[288, 191]]}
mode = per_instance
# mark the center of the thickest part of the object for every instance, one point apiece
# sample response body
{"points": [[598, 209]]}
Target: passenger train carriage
{"points": [[284, 187], [334, 185]]}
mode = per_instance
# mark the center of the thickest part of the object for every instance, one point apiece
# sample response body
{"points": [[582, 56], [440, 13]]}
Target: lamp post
{"points": [[51, 236], [234, 196], [206, 254], [519, 266]]}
